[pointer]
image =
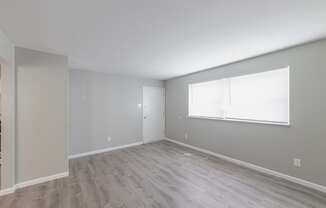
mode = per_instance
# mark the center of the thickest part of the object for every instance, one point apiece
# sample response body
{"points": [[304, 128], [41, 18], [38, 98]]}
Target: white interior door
{"points": [[153, 114]]}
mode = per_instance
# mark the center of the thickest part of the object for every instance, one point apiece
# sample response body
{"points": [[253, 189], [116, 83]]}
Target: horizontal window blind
{"points": [[255, 97]]}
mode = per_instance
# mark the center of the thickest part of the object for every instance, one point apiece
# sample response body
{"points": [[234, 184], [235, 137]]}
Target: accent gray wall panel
{"points": [[269, 146], [41, 140], [103, 106]]}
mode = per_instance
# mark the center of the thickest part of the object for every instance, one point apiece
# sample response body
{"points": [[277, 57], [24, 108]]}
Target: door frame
{"points": [[164, 106], [8, 125]]}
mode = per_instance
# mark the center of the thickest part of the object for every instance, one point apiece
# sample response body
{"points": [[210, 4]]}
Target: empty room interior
{"points": [[163, 104]]}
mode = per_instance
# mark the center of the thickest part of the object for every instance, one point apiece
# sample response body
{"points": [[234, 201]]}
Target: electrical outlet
{"points": [[186, 136], [297, 162], [109, 139]]}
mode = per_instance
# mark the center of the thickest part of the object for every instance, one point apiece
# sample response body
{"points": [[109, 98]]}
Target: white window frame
{"points": [[225, 118]]}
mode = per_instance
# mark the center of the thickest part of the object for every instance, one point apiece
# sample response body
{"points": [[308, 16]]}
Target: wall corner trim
{"points": [[104, 150], [255, 167]]}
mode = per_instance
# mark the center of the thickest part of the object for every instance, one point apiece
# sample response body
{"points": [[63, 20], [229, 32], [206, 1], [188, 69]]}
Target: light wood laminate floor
{"points": [[162, 175]]}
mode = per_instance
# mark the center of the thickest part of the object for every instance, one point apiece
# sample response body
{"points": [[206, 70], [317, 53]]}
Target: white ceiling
{"points": [[160, 39]]}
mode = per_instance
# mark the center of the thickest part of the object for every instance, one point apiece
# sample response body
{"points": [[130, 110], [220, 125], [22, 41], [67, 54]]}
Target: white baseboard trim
{"points": [[104, 150], [33, 182], [64, 174], [41, 180], [7, 191], [256, 167]]}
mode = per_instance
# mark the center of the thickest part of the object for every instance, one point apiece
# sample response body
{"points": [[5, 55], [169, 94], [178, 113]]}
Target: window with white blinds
{"points": [[261, 97]]}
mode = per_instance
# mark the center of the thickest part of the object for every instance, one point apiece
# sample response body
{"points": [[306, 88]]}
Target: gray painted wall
{"points": [[41, 140], [103, 105], [8, 112], [272, 147]]}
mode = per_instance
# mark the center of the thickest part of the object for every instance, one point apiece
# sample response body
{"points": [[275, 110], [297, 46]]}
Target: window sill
{"points": [[241, 121]]}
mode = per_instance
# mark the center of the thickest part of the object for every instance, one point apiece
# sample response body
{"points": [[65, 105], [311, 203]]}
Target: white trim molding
{"points": [[104, 150], [7, 191], [64, 174], [242, 121], [33, 182], [41, 180], [256, 167]]}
